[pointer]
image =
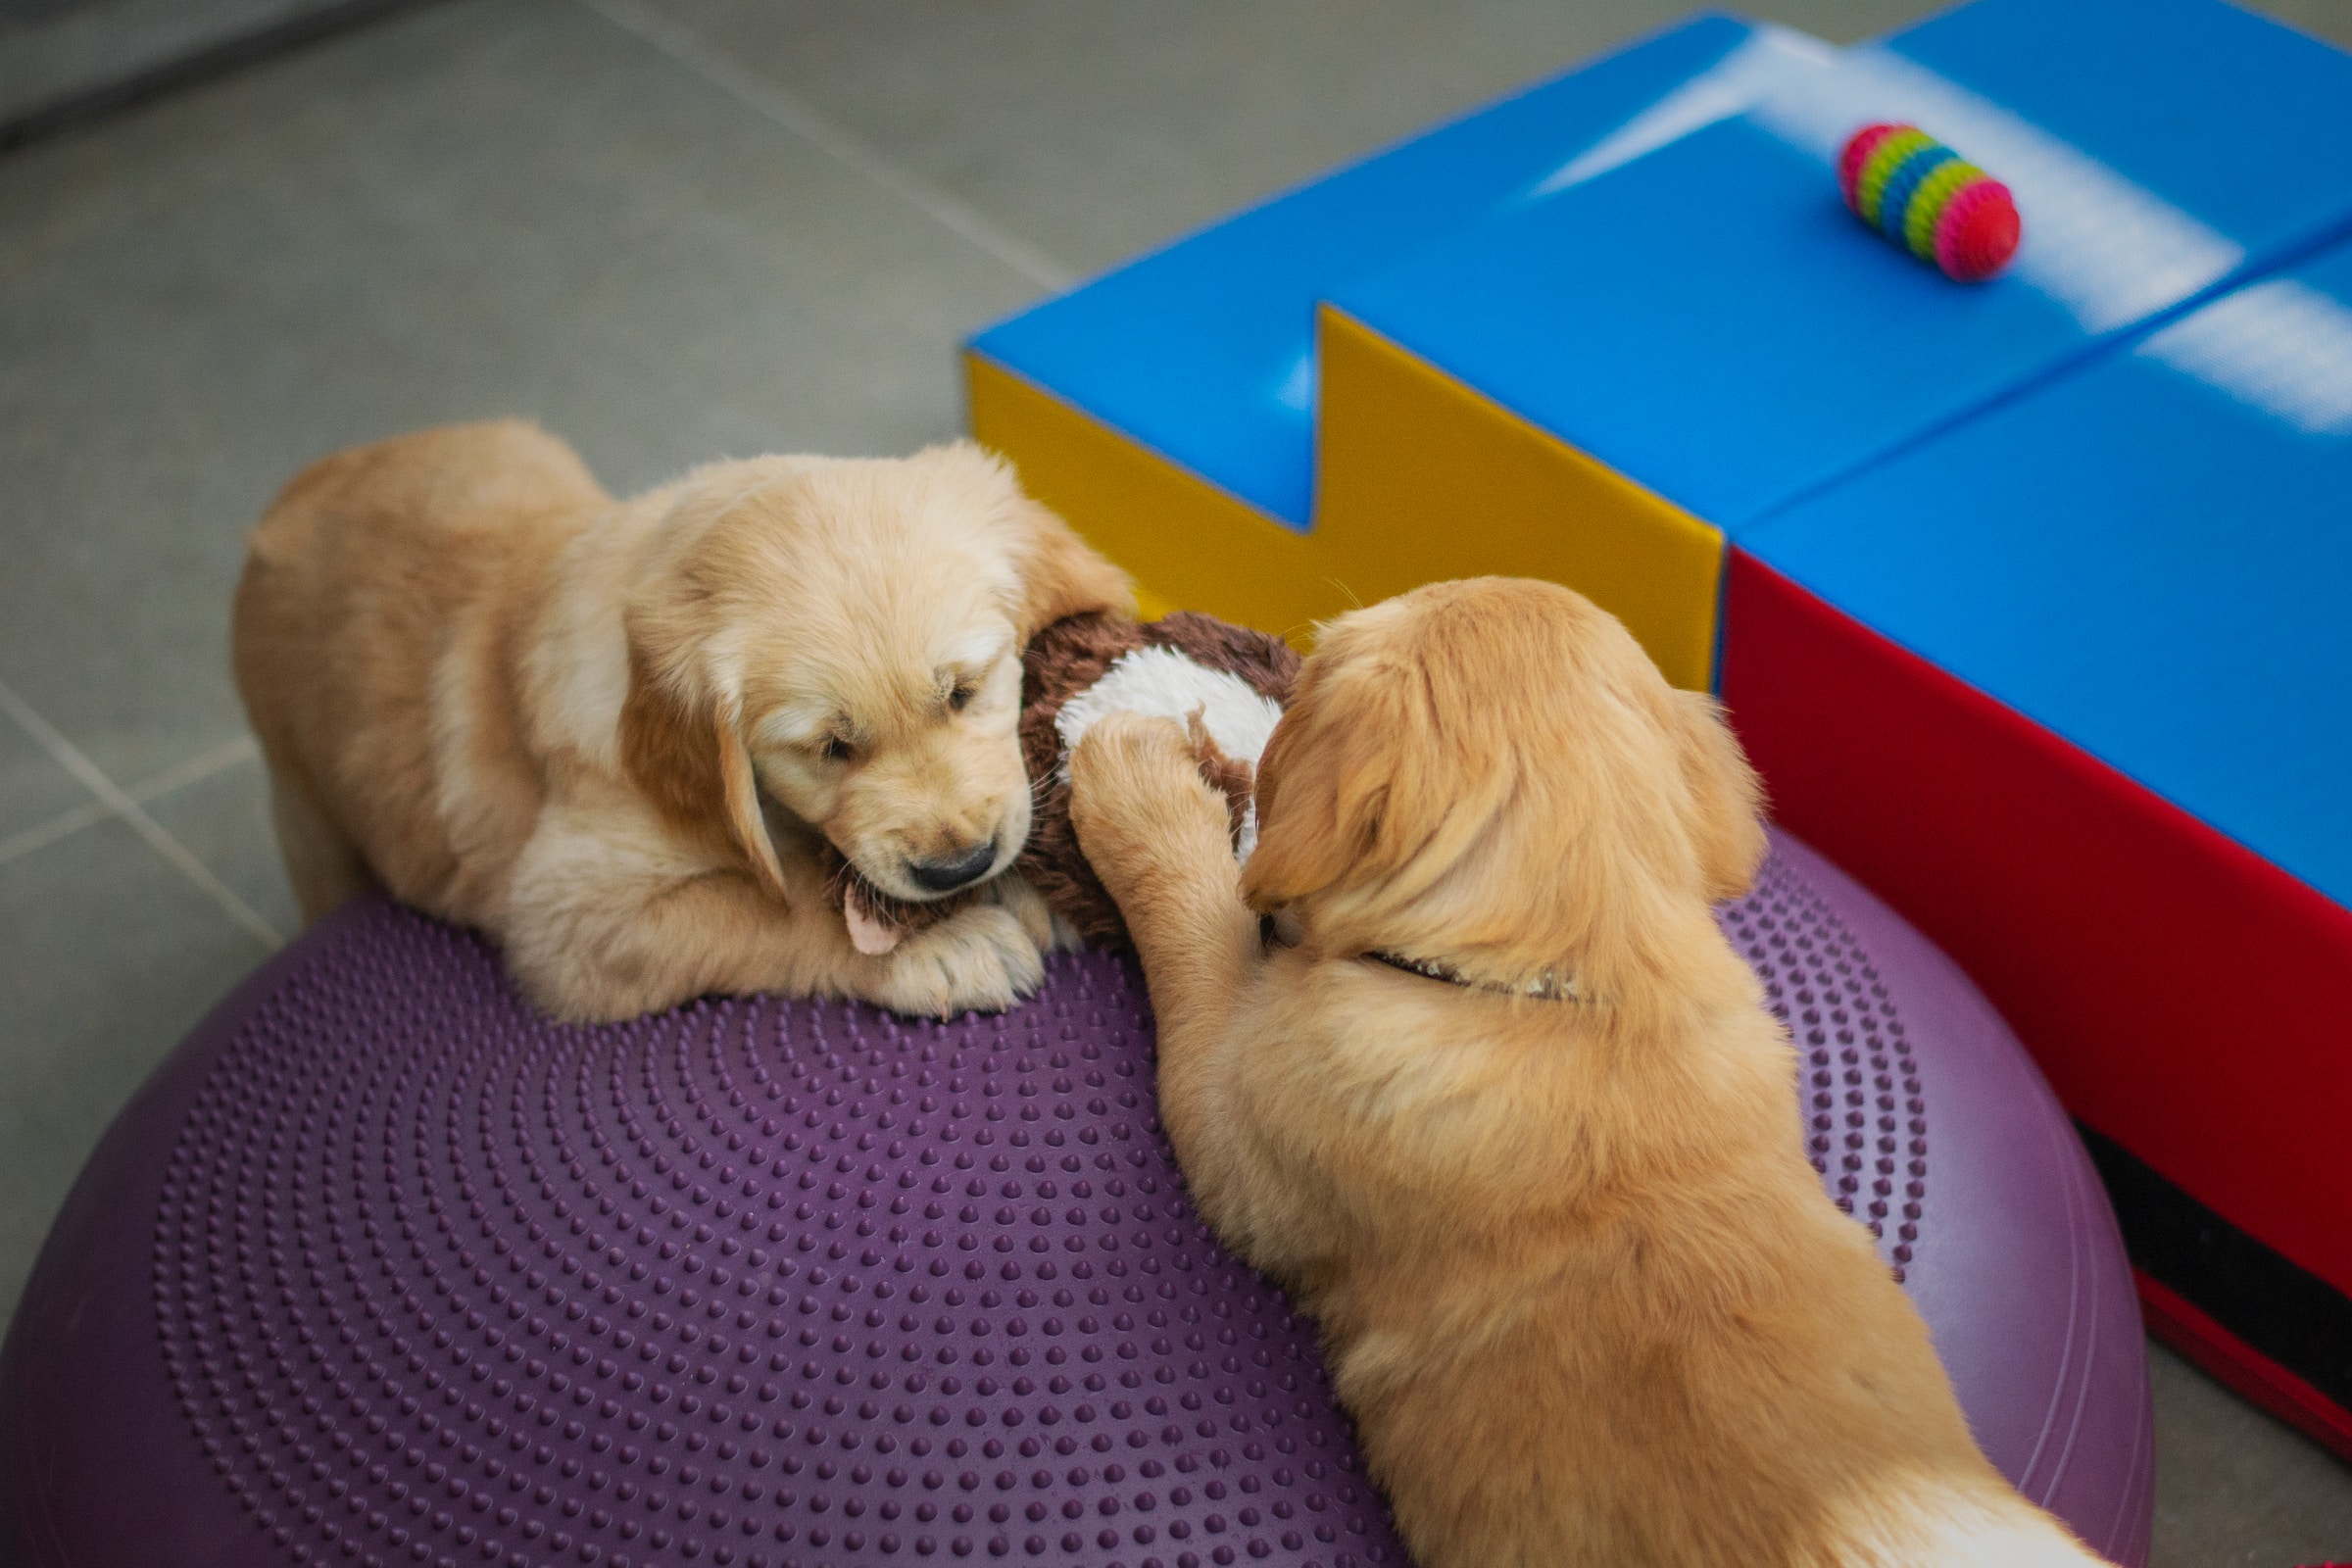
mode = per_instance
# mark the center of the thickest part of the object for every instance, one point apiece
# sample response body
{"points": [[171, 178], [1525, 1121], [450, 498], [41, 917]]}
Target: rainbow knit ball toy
{"points": [[1925, 197]]}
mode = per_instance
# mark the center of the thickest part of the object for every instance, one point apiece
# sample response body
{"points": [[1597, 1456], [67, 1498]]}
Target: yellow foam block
{"points": [[1190, 543], [1418, 478]]}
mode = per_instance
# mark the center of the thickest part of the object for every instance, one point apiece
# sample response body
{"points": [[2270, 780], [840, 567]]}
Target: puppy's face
{"points": [[856, 629], [1495, 772]]}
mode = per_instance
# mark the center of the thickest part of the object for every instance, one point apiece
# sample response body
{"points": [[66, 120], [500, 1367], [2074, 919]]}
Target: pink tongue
{"points": [[868, 935]]}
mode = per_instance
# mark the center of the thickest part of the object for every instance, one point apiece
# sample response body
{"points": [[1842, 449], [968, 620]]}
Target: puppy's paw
{"points": [[1048, 930], [1132, 781], [979, 960]]}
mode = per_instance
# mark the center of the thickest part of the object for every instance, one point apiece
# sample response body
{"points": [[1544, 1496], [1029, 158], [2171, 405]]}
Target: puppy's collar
{"points": [[1547, 986]]}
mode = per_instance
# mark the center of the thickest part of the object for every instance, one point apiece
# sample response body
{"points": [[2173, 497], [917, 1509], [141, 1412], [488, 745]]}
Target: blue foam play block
{"points": [[2150, 556], [1707, 318], [1203, 349], [2232, 119], [1709, 321]]}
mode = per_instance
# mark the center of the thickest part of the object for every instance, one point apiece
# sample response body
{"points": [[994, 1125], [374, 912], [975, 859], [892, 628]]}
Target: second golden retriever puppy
{"points": [[1461, 1058], [640, 742]]}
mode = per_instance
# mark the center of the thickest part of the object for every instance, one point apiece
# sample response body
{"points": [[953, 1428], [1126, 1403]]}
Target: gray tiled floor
{"points": [[222, 816], [671, 229], [107, 955], [2232, 1485], [1094, 137], [33, 788], [53, 52]]}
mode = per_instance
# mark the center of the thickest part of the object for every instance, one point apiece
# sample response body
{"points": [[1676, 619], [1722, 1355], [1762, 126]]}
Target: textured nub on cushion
{"points": [[381, 1268]]}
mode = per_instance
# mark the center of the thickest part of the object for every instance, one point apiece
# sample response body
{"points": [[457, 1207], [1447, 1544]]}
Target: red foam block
{"points": [[2186, 997]]}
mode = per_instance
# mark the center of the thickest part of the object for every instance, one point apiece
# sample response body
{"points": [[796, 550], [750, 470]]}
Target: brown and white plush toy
{"points": [[1224, 682]]}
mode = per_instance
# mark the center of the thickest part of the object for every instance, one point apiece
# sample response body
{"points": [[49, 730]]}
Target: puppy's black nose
{"points": [[947, 875]]}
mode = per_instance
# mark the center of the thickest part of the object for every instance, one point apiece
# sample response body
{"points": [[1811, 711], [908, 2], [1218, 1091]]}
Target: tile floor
{"points": [[670, 230], [56, 53]]}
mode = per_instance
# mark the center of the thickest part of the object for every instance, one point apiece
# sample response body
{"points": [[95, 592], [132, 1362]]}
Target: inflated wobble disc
{"points": [[381, 1268]]}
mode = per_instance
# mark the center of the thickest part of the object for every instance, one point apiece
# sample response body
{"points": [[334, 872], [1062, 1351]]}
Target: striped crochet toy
{"points": [[1926, 198]]}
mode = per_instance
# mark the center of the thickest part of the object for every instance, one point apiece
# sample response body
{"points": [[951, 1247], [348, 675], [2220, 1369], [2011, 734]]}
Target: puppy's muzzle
{"points": [[948, 873]]}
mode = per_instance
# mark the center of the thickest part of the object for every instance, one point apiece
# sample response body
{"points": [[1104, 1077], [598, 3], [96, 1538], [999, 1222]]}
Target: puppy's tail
{"points": [[1950, 1526]]}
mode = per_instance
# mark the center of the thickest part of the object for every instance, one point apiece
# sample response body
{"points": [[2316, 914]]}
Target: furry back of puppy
{"points": [[1462, 1058]]}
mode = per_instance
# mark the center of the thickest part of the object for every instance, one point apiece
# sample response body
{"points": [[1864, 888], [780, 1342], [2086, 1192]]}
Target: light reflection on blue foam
{"points": [[1297, 387], [2282, 347], [2102, 246], [1770, 59]]}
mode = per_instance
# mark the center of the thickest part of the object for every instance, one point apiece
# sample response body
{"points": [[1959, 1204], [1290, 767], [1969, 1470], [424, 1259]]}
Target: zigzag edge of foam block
{"points": [[1419, 477]]}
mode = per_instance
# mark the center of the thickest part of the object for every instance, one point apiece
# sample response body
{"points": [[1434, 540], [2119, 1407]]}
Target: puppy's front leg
{"points": [[982, 958], [648, 935], [607, 920], [1160, 839]]}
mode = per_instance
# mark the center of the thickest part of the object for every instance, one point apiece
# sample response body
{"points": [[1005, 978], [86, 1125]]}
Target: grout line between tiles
{"points": [[796, 115], [67, 823], [195, 769], [64, 825], [116, 801]]}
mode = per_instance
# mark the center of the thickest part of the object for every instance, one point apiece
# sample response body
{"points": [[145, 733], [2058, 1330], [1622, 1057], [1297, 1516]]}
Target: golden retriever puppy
{"points": [[619, 736], [1461, 1059]]}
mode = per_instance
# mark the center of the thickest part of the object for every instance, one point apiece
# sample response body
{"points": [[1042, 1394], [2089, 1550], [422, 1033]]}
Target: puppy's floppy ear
{"points": [[740, 795], [689, 758], [1061, 575], [1727, 799], [1362, 782]]}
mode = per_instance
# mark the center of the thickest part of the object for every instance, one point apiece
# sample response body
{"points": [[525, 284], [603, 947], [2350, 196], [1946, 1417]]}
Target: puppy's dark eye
{"points": [[959, 695], [836, 749]]}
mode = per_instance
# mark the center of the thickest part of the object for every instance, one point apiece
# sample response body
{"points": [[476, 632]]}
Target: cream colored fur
{"points": [[1582, 1292], [614, 734]]}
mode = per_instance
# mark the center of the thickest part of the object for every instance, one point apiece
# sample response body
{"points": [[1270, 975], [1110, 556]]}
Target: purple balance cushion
{"points": [[1930, 1124], [381, 1268]]}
